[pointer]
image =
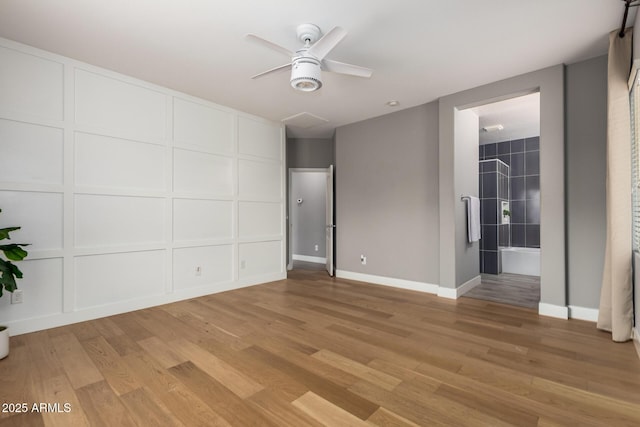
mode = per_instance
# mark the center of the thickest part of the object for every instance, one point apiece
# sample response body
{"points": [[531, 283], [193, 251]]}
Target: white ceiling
{"points": [[519, 116], [420, 49]]}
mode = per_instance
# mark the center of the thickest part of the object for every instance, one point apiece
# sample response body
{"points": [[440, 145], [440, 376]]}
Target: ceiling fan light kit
{"points": [[308, 62], [306, 74]]}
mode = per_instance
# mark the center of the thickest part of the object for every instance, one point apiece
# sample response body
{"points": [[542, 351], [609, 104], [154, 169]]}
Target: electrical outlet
{"points": [[16, 297], [198, 271], [243, 264], [316, 248], [363, 260]]}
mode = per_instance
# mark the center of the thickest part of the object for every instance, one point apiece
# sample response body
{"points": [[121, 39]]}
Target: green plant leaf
{"points": [[8, 276], [4, 232], [14, 251]]}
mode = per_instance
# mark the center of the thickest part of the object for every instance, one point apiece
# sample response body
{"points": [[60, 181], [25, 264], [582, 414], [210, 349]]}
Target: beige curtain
{"points": [[616, 305]]}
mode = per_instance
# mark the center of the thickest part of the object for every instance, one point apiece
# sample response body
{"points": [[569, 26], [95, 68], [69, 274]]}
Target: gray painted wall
{"points": [[586, 127], [387, 195], [375, 156], [308, 218], [310, 153], [466, 184]]}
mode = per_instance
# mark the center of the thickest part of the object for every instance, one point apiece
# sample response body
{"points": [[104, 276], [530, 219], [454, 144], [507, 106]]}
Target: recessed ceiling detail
{"points": [[304, 120]]}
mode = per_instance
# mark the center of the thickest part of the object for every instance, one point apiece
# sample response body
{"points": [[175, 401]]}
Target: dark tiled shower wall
{"points": [[523, 158], [493, 189]]}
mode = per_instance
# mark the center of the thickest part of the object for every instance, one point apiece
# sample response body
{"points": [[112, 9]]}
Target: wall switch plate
{"points": [[316, 248], [16, 297], [243, 264], [363, 260], [198, 271]]}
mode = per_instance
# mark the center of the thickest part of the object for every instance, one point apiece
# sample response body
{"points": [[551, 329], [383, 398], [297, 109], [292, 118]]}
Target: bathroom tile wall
{"points": [[523, 158], [493, 189]]}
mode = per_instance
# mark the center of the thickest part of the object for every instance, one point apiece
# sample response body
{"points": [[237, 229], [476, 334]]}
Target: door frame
{"points": [[550, 83], [291, 203]]}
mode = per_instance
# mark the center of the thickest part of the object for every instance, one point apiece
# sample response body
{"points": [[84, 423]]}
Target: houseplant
{"points": [[9, 272]]}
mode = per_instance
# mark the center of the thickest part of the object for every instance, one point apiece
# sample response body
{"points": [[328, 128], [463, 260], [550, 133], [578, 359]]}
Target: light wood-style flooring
{"points": [[312, 350], [514, 289]]}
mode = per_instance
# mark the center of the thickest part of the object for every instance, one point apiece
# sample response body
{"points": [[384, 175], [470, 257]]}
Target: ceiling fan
{"points": [[308, 62]]}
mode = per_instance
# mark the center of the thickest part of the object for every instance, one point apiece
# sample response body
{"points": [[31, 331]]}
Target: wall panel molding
{"points": [[134, 195]]}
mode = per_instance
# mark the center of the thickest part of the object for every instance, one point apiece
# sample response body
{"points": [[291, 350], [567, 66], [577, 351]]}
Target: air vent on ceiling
{"points": [[304, 120]]}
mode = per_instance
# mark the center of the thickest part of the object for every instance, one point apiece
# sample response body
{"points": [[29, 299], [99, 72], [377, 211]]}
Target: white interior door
{"points": [[329, 221]]}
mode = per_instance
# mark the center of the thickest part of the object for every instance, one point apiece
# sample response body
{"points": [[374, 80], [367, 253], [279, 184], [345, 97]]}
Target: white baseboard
{"points": [[449, 293], [636, 339], [551, 310], [314, 259], [412, 285], [583, 313], [468, 285], [460, 290], [24, 326], [388, 281]]}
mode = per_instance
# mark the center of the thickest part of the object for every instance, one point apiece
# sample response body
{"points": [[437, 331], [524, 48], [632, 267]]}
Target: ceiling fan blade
{"points": [[259, 40], [273, 70], [322, 47], [342, 68]]}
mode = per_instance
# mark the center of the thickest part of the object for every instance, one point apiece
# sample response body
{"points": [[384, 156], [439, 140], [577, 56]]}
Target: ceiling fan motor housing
{"points": [[306, 74]]}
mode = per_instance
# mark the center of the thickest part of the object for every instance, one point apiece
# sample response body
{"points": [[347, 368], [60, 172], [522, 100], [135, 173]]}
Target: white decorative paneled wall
{"points": [[141, 166], [42, 79], [131, 194]]}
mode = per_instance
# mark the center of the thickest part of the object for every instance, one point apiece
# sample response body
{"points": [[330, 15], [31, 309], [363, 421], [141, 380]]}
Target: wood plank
{"points": [[44, 362], [26, 419], [128, 323], [78, 366], [162, 352], [123, 344], [147, 411], [345, 351], [16, 377], [234, 380], [281, 411], [228, 405], [351, 402], [174, 395], [117, 374], [385, 418], [326, 412], [102, 406], [379, 378], [57, 402]]}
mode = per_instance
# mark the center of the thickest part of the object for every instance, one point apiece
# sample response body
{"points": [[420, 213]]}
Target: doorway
{"points": [[311, 228], [457, 271], [509, 192]]}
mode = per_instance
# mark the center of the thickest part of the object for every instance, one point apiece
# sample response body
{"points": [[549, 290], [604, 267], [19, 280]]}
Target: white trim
{"points": [[449, 293], [636, 340], [460, 290], [314, 259], [551, 310], [33, 324], [468, 285], [583, 313], [388, 281]]}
